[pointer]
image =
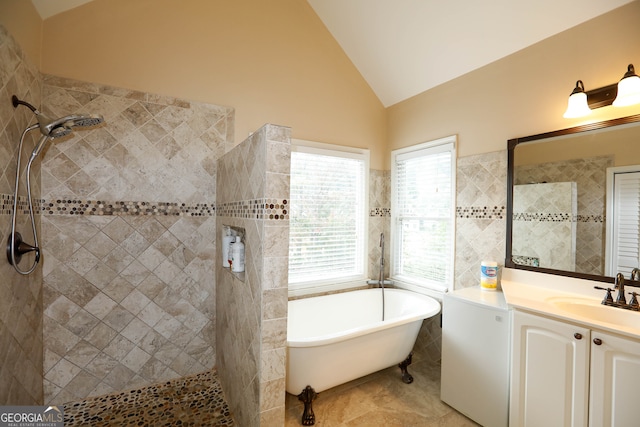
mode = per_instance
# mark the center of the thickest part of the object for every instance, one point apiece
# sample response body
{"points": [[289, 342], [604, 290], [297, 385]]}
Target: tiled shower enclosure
{"points": [[128, 235]]}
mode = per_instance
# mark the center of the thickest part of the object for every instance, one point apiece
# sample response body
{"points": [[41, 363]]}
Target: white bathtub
{"points": [[334, 339]]}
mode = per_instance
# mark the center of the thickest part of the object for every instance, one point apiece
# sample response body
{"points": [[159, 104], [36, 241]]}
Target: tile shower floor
{"points": [[196, 400], [377, 400]]}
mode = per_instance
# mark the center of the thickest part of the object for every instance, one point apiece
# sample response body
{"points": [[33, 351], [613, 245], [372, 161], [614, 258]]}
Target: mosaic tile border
{"points": [[380, 212], [249, 209], [481, 212], [558, 217], [255, 209], [97, 207], [544, 217], [477, 212], [598, 219], [526, 260], [6, 204], [277, 209]]}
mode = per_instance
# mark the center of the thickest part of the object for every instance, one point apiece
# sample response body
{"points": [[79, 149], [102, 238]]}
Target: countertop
{"points": [[545, 295], [493, 299]]}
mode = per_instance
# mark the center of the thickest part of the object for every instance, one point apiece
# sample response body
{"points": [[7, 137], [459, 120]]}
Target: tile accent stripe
{"points": [[255, 209], [6, 204], [478, 212], [258, 209], [544, 217], [380, 212], [93, 207], [481, 212], [90, 207], [598, 219], [558, 217], [526, 260]]}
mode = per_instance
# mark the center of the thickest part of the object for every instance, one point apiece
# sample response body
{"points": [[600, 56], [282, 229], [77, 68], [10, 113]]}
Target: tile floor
{"points": [[382, 399], [377, 400]]}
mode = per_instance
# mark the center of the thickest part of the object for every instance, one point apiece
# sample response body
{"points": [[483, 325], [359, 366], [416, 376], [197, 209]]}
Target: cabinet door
{"points": [[615, 381], [549, 373]]}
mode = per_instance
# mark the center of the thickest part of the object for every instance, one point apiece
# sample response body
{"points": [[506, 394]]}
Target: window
{"points": [[423, 214], [622, 247], [328, 226]]}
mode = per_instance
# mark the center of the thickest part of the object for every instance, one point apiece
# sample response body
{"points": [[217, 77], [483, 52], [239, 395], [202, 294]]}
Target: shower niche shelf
{"points": [[239, 234]]}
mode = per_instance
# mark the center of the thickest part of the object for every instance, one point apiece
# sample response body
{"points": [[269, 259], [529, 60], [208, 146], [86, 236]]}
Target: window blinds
{"points": [[326, 217], [424, 222], [626, 222]]}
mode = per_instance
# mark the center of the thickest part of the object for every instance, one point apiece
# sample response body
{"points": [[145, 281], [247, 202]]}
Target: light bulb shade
{"points": [[577, 106], [628, 89]]}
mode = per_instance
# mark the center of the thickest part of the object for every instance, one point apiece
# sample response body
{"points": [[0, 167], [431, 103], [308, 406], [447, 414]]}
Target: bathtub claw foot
{"points": [[406, 376], [307, 397]]}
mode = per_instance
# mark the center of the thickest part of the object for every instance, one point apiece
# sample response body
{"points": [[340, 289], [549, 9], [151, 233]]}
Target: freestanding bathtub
{"points": [[333, 339]]}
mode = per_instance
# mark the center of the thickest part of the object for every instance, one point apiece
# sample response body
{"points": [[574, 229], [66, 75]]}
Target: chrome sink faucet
{"points": [[635, 274]]}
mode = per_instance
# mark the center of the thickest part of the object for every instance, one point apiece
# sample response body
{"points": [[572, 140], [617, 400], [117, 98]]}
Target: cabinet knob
{"points": [[597, 341], [577, 336]]}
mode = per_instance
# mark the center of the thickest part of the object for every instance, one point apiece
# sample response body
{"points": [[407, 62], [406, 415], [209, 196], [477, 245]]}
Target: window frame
{"points": [[428, 287], [346, 282]]}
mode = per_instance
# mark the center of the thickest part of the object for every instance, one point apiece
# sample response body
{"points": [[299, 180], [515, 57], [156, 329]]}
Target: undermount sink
{"points": [[594, 310]]}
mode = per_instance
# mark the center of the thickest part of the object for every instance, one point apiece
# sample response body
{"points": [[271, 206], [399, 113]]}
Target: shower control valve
{"points": [[19, 248]]}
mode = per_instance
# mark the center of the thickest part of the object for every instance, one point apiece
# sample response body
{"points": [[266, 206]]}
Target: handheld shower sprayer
{"points": [[381, 276], [50, 129], [62, 126]]}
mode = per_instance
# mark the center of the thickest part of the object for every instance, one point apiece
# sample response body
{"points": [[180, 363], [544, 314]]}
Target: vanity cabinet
{"points": [[615, 381], [568, 375], [549, 373]]}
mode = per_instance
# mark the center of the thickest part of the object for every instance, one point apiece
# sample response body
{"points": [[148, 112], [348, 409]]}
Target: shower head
{"points": [[62, 126], [51, 129]]}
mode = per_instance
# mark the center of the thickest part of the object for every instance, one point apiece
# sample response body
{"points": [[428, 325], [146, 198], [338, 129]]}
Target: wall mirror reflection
{"points": [[573, 201]]}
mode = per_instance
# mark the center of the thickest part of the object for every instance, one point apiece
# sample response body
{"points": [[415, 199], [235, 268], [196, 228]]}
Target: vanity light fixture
{"points": [[624, 93], [628, 89], [578, 105]]}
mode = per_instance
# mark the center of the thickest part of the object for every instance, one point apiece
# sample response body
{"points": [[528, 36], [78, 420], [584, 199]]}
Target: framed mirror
{"points": [[573, 200]]}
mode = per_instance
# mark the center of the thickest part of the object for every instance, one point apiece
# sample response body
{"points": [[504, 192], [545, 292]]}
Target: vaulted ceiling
{"points": [[405, 47]]}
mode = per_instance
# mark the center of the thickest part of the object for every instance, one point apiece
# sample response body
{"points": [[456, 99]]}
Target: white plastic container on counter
{"points": [[489, 276]]}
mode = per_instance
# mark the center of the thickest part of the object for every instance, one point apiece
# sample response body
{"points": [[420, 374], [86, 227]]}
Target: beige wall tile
{"points": [[21, 296]]}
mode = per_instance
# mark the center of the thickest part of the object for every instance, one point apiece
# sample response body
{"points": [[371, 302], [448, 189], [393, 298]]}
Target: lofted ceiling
{"points": [[405, 47], [48, 8]]}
